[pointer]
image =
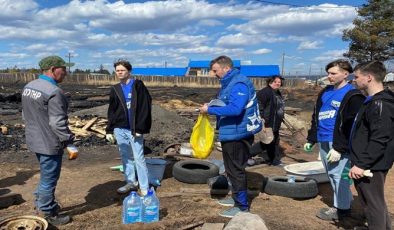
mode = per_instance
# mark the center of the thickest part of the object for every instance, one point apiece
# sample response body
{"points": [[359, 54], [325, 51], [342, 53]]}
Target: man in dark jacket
{"points": [[129, 117], [372, 143], [335, 109], [47, 134]]}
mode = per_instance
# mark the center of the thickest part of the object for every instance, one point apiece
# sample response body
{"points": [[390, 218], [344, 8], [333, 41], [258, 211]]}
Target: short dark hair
{"points": [[123, 62], [222, 61], [341, 63], [375, 68], [272, 79]]}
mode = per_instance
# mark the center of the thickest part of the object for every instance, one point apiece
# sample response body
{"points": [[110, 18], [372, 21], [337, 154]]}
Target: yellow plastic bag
{"points": [[202, 137]]}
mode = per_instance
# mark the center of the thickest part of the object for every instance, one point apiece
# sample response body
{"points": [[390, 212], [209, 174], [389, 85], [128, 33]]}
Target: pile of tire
{"points": [[301, 188]]}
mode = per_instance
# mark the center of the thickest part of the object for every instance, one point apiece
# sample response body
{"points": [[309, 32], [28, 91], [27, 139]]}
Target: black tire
{"points": [[302, 188], [194, 171]]}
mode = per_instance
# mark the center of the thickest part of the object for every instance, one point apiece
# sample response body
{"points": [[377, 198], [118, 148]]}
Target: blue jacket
{"points": [[240, 118]]}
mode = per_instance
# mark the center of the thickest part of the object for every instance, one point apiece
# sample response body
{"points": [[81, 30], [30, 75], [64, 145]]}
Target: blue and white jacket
{"points": [[240, 117]]}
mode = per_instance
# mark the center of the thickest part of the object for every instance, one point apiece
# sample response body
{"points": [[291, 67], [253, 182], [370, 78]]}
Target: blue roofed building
{"points": [[166, 72], [201, 68], [260, 70]]}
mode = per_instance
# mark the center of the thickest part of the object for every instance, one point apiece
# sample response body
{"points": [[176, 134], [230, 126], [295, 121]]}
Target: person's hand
{"points": [[308, 147], [138, 134], [333, 156], [356, 172], [110, 138], [204, 108]]}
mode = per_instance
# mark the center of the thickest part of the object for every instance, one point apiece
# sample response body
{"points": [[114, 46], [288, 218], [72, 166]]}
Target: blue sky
{"points": [[155, 33]]}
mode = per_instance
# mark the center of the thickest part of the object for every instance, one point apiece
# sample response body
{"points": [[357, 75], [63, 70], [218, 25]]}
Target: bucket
{"points": [[156, 168]]}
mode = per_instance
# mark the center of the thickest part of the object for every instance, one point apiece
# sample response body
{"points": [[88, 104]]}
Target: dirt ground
{"points": [[87, 186]]}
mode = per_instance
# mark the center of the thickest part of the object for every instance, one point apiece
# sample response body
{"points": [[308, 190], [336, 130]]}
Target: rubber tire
{"points": [[194, 171], [303, 188]]}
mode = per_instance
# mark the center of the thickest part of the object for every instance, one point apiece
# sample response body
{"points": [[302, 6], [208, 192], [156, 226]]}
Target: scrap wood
{"points": [[90, 123], [4, 129], [98, 130], [192, 225]]}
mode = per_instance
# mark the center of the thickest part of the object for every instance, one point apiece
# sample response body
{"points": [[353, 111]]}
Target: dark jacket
{"points": [[141, 108], [372, 138], [348, 109], [268, 107]]}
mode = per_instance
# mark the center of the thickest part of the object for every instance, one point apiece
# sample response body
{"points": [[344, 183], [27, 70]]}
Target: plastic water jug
{"points": [[151, 207], [132, 210]]}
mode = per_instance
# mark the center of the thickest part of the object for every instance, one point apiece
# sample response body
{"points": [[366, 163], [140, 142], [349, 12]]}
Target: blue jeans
{"points": [[50, 166], [131, 149], [341, 187]]}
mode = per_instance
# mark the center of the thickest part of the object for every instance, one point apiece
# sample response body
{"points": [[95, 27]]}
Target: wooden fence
{"points": [[91, 79]]}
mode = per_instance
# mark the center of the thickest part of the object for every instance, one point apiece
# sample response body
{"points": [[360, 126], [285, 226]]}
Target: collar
{"points": [[47, 78]]}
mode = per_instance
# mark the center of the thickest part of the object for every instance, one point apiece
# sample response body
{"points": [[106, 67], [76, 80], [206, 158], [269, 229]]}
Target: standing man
{"points": [[45, 107], [372, 143], [332, 119], [237, 121], [129, 117]]}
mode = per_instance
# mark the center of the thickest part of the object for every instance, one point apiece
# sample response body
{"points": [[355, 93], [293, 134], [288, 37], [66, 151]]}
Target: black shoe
{"points": [[58, 219]]}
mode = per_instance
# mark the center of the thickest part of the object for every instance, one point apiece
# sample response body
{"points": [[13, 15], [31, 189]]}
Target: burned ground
{"points": [[87, 187]]}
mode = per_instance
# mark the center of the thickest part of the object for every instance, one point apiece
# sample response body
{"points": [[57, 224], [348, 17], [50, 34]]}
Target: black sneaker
{"points": [[58, 219]]}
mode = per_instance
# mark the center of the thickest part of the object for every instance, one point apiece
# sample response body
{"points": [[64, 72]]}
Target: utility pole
{"points": [[69, 61], [283, 63]]}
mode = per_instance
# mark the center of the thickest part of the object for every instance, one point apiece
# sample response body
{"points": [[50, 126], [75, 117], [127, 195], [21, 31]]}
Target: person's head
{"points": [[54, 67], [221, 65], [369, 72], [122, 69], [275, 82], [338, 71]]}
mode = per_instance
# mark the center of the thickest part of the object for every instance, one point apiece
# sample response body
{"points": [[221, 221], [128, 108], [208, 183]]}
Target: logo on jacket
{"points": [[255, 121], [31, 93], [327, 114], [335, 104]]}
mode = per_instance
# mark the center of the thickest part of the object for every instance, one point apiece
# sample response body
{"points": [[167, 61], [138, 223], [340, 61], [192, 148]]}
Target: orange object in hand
{"points": [[72, 152]]}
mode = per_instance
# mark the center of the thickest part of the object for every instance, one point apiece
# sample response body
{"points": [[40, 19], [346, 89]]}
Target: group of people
{"points": [[354, 132]]}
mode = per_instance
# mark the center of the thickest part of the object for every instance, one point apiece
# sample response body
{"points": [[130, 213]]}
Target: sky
{"points": [[303, 35]]}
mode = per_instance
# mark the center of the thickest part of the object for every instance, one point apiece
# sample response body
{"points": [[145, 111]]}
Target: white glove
{"points": [[138, 134], [333, 156], [367, 173], [110, 138]]}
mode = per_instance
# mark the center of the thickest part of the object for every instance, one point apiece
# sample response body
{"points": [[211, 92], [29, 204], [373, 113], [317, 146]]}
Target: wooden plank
{"points": [[90, 123], [98, 130]]}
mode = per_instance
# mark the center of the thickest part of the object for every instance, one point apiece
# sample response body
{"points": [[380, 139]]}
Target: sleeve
{"points": [[239, 97], [144, 109], [58, 119], [380, 123], [312, 132], [110, 113], [264, 99]]}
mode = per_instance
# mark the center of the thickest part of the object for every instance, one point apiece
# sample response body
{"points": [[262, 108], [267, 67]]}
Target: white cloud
{"points": [[330, 55], [309, 45], [262, 51]]}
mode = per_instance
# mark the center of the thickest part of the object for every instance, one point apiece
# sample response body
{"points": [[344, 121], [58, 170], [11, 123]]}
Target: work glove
{"points": [[110, 138], [308, 147], [333, 156], [367, 173], [138, 134]]}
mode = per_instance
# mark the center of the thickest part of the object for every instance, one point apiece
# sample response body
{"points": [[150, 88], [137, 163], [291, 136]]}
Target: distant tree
{"points": [[102, 70], [372, 37]]}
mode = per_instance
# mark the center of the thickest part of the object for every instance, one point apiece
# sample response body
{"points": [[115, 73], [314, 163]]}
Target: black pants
{"points": [[371, 192], [235, 157], [273, 150]]}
